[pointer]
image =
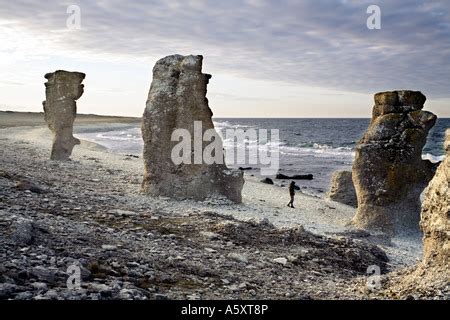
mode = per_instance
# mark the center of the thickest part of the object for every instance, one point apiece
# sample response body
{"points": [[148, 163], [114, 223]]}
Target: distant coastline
{"points": [[18, 119]]}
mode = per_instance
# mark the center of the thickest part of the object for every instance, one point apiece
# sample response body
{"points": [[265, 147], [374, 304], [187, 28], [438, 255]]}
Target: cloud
{"points": [[315, 43], [11, 83]]}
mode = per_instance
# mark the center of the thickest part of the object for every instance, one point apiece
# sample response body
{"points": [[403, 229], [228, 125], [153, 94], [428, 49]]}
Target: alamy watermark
{"points": [[74, 280], [248, 147], [73, 21], [374, 20], [374, 278]]}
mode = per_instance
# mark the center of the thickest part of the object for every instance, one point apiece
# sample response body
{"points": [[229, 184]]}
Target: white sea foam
{"points": [[129, 139], [432, 158]]}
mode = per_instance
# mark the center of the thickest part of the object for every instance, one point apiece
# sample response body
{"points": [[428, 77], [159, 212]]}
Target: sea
{"points": [[314, 146]]}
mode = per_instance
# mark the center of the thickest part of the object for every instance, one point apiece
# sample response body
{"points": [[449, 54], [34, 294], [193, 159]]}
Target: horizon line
{"points": [[213, 117]]}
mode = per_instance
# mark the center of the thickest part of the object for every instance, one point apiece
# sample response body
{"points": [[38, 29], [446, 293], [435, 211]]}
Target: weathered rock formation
{"points": [[388, 172], [62, 89], [429, 280], [176, 99], [342, 189], [435, 216]]}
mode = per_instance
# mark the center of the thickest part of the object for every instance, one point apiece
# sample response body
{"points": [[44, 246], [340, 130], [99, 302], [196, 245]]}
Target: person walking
{"points": [[292, 194]]}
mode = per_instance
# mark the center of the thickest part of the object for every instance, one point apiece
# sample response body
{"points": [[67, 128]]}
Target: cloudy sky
{"points": [[279, 58]]}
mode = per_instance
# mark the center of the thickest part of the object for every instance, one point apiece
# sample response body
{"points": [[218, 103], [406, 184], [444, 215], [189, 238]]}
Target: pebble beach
{"points": [[90, 211]]}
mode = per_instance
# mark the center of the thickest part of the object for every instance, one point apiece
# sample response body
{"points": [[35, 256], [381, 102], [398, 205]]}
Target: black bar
{"points": [[224, 309]]}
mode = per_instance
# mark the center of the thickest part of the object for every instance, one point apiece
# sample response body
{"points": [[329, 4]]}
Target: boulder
{"points": [[24, 185], [22, 231], [388, 172], [62, 89], [176, 100], [267, 181], [435, 215], [342, 189]]}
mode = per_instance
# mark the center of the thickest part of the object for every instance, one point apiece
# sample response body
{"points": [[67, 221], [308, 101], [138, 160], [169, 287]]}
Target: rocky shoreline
{"points": [[150, 252], [89, 212]]}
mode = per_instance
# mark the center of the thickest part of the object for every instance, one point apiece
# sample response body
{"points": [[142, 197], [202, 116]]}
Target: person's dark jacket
{"points": [[292, 189]]}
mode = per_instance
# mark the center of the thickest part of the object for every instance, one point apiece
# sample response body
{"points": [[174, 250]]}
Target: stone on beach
{"points": [[62, 89], [388, 172], [22, 231], [267, 181], [283, 261], [342, 189], [25, 185], [176, 99]]}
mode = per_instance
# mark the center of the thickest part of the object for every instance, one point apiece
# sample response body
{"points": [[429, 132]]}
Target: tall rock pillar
{"points": [[388, 172], [177, 101], [62, 89]]}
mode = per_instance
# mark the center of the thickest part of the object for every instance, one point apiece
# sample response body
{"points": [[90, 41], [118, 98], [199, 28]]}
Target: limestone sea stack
{"points": [[176, 100], [342, 189], [62, 90], [435, 216], [388, 172]]}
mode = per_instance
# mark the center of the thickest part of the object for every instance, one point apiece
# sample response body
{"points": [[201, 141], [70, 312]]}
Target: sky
{"points": [[280, 58]]}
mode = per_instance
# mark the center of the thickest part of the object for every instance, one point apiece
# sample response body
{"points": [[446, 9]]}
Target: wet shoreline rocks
{"points": [[294, 177]]}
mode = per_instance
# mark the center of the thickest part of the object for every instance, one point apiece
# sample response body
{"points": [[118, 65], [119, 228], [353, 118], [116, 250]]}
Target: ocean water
{"points": [[307, 146]]}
